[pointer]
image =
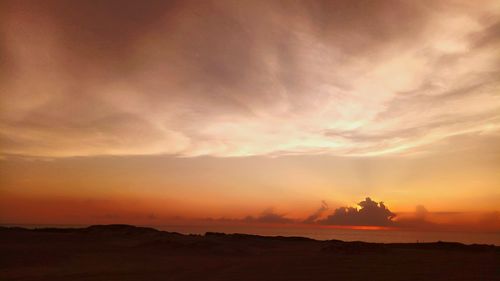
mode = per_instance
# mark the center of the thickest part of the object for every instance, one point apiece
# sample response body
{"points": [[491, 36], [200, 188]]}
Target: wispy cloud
{"points": [[227, 78], [318, 213]]}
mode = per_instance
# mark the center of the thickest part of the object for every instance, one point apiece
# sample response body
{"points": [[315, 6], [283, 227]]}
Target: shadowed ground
{"points": [[121, 252]]}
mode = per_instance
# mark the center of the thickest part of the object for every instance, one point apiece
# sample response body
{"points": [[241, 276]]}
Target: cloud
{"points": [[418, 220], [370, 213], [422, 219], [268, 216], [318, 213], [225, 78], [491, 219], [421, 212]]}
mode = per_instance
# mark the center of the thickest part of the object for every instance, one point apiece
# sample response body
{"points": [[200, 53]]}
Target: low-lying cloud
{"points": [[268, 216], [370, 213], [318, 213]]}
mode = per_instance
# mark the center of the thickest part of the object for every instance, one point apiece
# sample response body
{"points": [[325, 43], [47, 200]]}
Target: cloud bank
{"points": [[240, 78], [268, 216], [370, 213]]}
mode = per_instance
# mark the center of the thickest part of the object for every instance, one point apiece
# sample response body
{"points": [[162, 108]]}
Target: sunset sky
{"points": [[149, 112]]}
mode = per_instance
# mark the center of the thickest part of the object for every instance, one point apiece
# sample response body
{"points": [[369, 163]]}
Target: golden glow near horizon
{"points": [[223, 105]]}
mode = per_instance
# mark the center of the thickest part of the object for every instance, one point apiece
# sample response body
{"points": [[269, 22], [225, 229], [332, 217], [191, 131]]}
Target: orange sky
{"points": [[120, 111]]}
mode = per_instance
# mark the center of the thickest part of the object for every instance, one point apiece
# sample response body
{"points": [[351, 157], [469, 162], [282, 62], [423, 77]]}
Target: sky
{"points": [[251, 111]]}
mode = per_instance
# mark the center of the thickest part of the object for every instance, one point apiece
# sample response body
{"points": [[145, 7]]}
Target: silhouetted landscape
{"points": [[233, 140], [124, 252]]}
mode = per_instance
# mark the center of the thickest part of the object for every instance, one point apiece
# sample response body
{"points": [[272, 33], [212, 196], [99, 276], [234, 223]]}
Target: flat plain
{"points": [[123, 252]]}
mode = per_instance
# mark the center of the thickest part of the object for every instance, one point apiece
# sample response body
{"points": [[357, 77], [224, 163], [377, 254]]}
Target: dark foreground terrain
{"points": [[121, 252]]}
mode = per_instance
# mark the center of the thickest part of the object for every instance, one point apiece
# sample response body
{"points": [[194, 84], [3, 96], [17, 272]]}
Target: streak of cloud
{"points": [[226, 78]]}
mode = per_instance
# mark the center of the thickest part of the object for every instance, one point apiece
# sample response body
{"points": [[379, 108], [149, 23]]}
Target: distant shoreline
{"points": [[138, 229]]}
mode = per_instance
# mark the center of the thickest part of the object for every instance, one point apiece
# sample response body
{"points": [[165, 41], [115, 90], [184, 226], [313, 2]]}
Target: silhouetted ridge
{"points": [[121, 228], [240, 236], [151, 237], [440, 245]]}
